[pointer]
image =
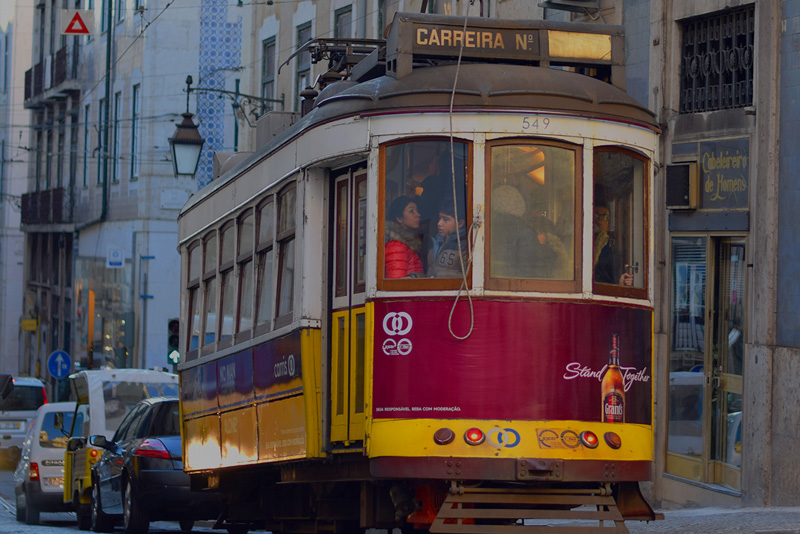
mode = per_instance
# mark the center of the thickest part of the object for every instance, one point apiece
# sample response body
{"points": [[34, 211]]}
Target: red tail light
{"points": [[152, 448], [33, 472], [474, 436], [44, 392], [589, 439]]}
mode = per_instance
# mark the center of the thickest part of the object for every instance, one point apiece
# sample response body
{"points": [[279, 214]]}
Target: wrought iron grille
{"points": [[717, 61]]}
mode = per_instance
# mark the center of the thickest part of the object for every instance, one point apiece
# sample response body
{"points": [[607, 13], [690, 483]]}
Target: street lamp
{"points": [[186, 142]]}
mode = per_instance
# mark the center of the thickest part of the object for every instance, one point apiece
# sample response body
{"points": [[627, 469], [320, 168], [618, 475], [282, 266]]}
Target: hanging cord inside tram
{"points": [[472, 234]]}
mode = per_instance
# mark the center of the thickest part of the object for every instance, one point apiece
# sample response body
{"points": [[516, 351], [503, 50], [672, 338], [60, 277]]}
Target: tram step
{"points": [[524, 511]]}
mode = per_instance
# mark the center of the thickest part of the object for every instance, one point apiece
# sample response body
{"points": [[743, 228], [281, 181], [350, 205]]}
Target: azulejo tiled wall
{"points": [[220, 56]]}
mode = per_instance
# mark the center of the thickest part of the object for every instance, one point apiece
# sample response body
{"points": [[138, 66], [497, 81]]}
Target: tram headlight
{"points": [[613, 440], [589, 439], [474, 436], [443, 436]]}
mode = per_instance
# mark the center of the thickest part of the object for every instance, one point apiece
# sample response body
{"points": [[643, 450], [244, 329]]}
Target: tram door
{"points": [[348, 313], [704, 439]]}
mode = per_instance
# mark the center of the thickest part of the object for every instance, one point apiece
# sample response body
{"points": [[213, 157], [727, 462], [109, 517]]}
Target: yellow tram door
{"points": [[348, 311]]}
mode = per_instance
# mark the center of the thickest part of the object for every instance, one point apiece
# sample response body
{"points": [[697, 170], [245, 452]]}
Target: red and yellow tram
{"points": [[428, 303]]}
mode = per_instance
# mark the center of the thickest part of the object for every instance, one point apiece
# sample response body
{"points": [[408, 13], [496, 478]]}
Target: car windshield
{"points": [[51, 437], [120, 397], [23, 398]]}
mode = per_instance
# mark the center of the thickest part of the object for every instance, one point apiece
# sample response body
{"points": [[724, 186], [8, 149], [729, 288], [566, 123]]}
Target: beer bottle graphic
{"points": [[613, 387]]}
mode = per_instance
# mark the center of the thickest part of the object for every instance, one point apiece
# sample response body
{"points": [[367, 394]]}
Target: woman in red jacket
{"points": [[403, 242]]}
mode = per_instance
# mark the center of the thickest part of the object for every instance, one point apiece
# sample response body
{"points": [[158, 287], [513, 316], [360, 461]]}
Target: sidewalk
{"points": [[723, 521]]}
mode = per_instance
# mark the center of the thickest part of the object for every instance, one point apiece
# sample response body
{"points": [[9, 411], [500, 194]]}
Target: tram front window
{"points": [[425, 211], [531, 194], [618, 221]]}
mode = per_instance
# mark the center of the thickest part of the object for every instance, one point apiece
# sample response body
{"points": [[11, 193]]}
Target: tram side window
{"points": [[193, 289], [286, 260], [244, 260], [210, 289], [532, 197], [264, 259], [425, 217], [226, 240], [618, 230]]}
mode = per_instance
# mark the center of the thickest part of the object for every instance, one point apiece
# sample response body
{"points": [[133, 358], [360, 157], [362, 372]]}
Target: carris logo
{"points": [[397, 324], [503, 437], [285, 367], [401, 347]]}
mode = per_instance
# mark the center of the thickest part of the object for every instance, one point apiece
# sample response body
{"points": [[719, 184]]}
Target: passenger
{"points": [[443, 258], [551, 259], [403, 241], [603, 260]]}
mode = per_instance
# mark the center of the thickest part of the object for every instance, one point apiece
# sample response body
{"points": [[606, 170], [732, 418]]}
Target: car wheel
{"points": [[82, 512], [186, 525], [100, 521], [31, 512], [20, 509], [135, 520]]}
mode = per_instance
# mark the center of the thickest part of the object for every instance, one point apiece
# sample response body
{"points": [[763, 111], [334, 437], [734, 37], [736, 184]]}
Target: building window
{"points": [[135, 111], [73, 146], [62, 134], [6, 58], [86, 151], [53, 27], [120, 10], [116, 152], [303, 77], [343, 23], [717, 61], [268, 72], [101, 155]]}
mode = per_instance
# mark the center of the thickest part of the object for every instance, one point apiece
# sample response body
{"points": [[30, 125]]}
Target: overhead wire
{"points": [[472, 234]]}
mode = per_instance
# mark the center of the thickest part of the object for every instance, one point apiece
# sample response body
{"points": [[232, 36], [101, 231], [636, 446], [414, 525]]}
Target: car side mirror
{"points": [[6, 385], [99, 441]]}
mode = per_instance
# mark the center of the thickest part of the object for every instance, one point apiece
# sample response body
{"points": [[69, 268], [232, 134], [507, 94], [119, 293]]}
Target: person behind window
{"points": [[443, 257], [403, 242], [603, 259], [550, 259]]}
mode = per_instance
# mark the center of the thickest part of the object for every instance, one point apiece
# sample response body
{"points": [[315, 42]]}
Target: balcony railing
{"points": [[53, 77], [46, 207]]}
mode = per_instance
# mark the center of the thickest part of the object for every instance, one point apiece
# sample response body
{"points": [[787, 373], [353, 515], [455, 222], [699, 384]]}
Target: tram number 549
{"points": [[535, 123]]}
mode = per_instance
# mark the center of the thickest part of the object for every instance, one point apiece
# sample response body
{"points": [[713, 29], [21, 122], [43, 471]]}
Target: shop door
{"points": [[704, 438], [348, 315]]}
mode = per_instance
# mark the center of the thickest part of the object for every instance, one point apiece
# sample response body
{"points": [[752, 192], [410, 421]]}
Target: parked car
{"points": [[140, 477], [39, 477], [104, 397], [16, 412]]}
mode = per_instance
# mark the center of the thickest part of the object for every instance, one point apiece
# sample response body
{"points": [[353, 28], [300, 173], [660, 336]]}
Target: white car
{"points": [[39, 478], [16, 413]]}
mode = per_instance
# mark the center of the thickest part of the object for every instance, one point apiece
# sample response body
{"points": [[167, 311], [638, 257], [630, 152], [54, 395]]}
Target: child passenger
{"points": [[443, 258]]}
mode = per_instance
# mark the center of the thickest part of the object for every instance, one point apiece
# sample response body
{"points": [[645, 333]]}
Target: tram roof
{"points": [[490, 84]]}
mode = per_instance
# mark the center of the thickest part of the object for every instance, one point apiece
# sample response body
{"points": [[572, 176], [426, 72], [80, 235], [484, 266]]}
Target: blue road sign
{"points": [[59, 364]]}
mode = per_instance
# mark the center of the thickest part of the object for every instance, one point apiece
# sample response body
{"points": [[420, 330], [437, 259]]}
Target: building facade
{"points": [[99, 214], [15, 43]]}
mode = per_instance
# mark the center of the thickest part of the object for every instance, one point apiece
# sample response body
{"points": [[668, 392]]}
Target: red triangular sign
{"points": [[76, 26]]}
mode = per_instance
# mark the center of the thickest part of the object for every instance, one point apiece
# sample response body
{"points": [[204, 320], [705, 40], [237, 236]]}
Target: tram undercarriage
{"points": [[343, 497]]}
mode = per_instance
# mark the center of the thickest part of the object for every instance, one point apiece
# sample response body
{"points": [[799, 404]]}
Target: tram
{"points": [[428, 303]]}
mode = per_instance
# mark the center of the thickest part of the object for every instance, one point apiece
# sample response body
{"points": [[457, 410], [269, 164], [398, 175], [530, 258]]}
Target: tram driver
{"points": [[603, 257]]}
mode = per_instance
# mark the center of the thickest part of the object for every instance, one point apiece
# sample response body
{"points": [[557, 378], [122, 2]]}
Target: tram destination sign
{"points": [[531, 42]]}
